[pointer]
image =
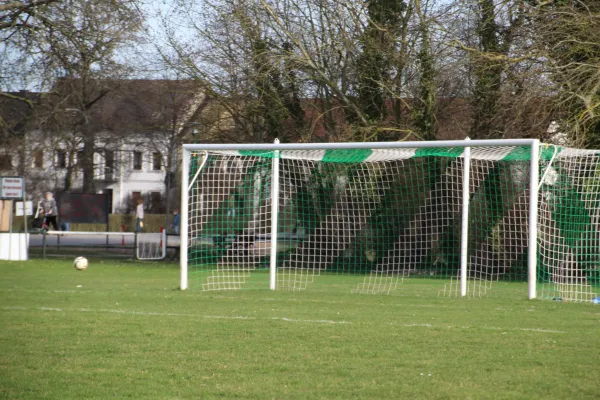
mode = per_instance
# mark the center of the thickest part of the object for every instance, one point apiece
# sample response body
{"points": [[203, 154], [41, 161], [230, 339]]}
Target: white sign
{"points": [[11, 187], [28, 205]]}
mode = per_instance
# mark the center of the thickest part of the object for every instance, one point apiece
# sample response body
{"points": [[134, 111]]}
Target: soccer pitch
{"points": [[125, 330]]}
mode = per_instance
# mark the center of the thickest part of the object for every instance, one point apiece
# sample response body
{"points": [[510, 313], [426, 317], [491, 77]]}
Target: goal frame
{"points": [[534, 144]]}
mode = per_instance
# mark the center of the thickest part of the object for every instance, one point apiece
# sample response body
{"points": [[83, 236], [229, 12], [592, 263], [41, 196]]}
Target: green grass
{"points": [[124, 330]]}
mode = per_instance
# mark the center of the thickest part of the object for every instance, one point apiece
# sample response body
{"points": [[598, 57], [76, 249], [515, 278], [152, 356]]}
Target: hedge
{"points": [[152, 223]]}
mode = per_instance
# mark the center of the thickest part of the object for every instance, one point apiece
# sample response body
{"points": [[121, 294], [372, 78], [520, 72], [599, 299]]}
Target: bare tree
{"points": [[425, 101], [568, 35], [71, 46]]}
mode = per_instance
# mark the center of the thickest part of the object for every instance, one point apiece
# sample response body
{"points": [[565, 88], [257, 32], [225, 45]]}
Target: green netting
{"points": [[347, 156], [257, 153], [547, 152], [440, 152]]}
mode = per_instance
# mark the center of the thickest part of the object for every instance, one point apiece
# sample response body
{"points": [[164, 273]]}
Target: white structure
{"points": [[131, 169], [127, 168], [464, 211], [134, 123], [13, 246], [196, 191]]}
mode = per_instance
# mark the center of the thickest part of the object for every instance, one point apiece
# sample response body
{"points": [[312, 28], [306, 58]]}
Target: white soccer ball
{"points": [[80, 263]]}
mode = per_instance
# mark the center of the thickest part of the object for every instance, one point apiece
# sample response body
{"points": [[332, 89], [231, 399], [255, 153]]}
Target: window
{"points": [[61, 159], [156, 204], [109, 164], [80, 158], [135, 196], [38, 159], [156, 161], [109, 156], [5, 162], [137, 160]]}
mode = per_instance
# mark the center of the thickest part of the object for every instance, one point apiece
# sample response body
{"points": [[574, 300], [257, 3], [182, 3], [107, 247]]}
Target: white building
{"points": [[125, 169], [138, 129]]}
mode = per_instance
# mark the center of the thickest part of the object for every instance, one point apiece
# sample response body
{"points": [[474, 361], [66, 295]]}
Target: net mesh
{"points": [[569, 235], [389, 221], [151, 246]]}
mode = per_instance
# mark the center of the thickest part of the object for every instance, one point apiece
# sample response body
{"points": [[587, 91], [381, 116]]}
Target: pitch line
{"points": [[160, 314], [354, 303], [317, 321], [491, 328], [284, 319]]}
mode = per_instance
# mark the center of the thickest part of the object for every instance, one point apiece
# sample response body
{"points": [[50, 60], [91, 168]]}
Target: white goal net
{"points": [[475, 218]]}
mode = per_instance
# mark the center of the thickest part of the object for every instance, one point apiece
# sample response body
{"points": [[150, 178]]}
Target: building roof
{"points": [[124, 106], [138, 106], [16, 112]]}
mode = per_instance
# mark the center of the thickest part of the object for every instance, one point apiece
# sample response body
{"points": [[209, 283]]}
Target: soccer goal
{"points": [[453, 218], [146, 246]]}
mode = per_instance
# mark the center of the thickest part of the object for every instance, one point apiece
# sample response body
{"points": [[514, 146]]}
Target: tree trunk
{"points": [[88, 160]]}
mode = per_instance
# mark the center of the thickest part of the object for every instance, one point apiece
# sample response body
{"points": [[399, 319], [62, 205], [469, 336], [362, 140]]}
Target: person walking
{"points": [[139, 215], [50, 210]]}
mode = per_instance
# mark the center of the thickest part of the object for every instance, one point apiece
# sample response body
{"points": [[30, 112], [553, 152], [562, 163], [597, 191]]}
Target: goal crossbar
{"points": [[360, 145]]}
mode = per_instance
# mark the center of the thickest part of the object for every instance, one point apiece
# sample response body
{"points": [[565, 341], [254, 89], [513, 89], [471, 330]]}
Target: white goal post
{"points": [[450, 216]]}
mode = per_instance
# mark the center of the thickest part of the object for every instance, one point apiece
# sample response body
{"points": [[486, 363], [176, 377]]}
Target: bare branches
{"points": [[22, 6], [345, 69], [18, 98], [569, 36], [17, 13]]}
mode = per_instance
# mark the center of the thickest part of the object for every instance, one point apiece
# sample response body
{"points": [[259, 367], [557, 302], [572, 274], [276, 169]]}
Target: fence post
{"points": [[43, 245], [135, 245], [161, 236], [163, 241]]}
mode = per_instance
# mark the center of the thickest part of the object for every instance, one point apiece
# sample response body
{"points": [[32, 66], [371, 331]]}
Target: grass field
{"points": [[124, 330]]}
